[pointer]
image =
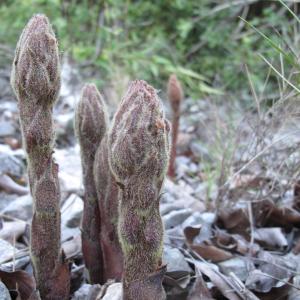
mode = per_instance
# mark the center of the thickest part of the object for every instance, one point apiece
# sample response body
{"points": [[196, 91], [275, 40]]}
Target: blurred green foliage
{"points": [[204, 42]]}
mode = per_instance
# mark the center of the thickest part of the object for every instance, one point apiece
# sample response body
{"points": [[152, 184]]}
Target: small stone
{"points": [[10, 165], [6, 129], [69, 168], [6, 199], [113, 292], [206, 190], [7, 251], [72, 211], [9, 106], [194, 219], [176, 217], [166, 208], [65, 129], [4, 293], [5, 87], [20, 208], [236, 265], [82, 293], [70, 88], [194, 108], [180, 196], [182, 160], [200, 151], [175, 260]]}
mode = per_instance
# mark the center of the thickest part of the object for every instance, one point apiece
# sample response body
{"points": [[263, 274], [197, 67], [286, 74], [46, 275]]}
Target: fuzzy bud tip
{"points": [[91, 117], [35, 73], [175, 92], [139, 136]]}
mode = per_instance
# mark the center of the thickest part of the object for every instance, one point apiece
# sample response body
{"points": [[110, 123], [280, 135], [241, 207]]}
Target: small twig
{"points": [[273, 264], [257, 156], [10, 218], [227, 281], [14, 252], [241, 24], [279, 74], [243, 290], [253, 91], [281, 280], [224, 6], [250, 212]]}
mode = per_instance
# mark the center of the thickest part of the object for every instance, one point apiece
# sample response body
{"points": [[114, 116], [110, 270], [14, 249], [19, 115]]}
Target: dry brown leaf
{"points": [[20, 281], [210, 252], [272, 272], [234, 220], [190, 233], [180, 283], [280, 293], [72, 247], [199, 290], [268, 214], [245, 181], [260, 282], [217, 280], [234, 242], [224, 240], [61, 280], [206, 249], [296, 203]]}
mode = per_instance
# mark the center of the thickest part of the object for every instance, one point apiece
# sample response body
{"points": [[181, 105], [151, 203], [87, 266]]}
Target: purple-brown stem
{"points": [[138, 157], [90, 128], [107, 191], [36, 81], [175, 95]]}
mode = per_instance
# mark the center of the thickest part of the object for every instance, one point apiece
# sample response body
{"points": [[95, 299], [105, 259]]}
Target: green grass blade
{"points": [[279, 74], [290, 11], [290, 58]]}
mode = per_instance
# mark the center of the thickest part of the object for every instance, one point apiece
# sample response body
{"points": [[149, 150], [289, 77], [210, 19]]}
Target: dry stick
{"points": [[175, 95], [36, 82], [271, 263], [222, 276], [138, 158], [90, 127], [258, 155], [241, 287], [281, 280]]}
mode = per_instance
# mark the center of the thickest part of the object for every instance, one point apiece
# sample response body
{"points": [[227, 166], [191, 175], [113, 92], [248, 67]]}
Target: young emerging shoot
{"points": [[107, 191], [138, 157], [90, 127], [175, 95], [36, 81]]}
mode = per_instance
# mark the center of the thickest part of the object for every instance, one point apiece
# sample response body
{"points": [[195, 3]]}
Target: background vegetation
{"points": [[204, 42]]}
